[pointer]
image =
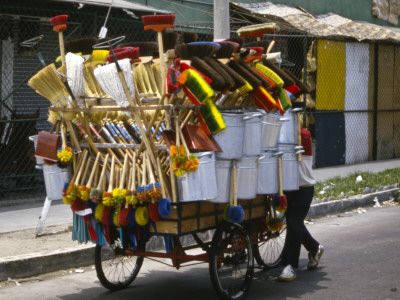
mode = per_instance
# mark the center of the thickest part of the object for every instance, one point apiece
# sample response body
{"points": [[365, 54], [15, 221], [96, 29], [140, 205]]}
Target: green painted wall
{"points": [[199, 11]]}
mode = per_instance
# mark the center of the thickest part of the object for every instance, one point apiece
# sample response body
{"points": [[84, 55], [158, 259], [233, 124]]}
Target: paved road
{"points": [[361, 261]]}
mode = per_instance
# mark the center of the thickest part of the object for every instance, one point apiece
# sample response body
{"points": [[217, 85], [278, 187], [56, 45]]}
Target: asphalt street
{"points": [[361, 261]]}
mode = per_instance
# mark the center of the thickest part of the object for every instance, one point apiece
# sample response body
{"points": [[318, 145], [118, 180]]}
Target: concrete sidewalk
{"points": [[11, 220]]}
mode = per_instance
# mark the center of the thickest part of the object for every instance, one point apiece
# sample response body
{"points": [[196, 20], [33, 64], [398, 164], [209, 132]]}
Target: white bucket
{"points": [[54, 180], [230, 140], [202, 183], [269, 135], [268, 181], [223, 170], [252, 134], [289, 130], [290, 167], [246, 181]]}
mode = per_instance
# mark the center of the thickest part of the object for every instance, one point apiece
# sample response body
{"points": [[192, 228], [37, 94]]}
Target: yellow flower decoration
{"points": [[116, 216], [108, 199], [173, 150], [191, 164], [65, 156], [84, 192]]}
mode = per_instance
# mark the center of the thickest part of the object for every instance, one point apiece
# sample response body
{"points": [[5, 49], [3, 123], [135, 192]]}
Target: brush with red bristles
{"points": [[127, 52], [159, 23], [59, 25]]}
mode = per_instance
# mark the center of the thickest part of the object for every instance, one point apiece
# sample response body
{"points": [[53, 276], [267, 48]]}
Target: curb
{"points": [[23, 266]]}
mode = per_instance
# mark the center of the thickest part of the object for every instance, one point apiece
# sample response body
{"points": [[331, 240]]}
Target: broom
{"points": [[75, 76], [59, 25], [236, 212], [65, 155], [164, 205], [108, 201], [97, 193], [87, 190], [141, 190], [159, 24], [70, 191], [257, 30], [153, 189], [195, 87]]}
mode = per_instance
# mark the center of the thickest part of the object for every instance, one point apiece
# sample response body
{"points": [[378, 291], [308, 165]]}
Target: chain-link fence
{"points": [[351, 106]]}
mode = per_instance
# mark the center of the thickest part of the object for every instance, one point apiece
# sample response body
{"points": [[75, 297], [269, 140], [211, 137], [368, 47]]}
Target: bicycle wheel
{"points": [[115, 270], [231, 262], [269, 247]]}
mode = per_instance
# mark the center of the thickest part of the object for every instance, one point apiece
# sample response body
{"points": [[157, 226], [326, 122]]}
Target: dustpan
{"points": [[195, 137], [47, 145]]}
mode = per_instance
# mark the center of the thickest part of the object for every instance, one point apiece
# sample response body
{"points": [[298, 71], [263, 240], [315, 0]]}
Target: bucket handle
{"points": [[284, 119], [300, 152], [255, 115], [297, 109], [279, 153], [298, 148], [204, 154]]}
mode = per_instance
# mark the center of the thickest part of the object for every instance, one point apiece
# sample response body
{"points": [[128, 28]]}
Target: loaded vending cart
{"points": [[164, 147]]}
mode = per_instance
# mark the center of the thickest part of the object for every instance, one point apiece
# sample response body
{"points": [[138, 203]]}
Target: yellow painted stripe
{"points": [[331, 75]]}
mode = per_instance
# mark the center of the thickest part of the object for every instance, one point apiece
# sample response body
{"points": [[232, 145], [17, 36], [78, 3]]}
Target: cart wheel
{"points": [[269, 246], [231, 261], [115, 270]]}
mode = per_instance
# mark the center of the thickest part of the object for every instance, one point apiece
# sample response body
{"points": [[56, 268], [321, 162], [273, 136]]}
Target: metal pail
{"points": [[246, 181], [54, 180], [223, 169], [268, 182], [230, 140], [290, 167], [202, 183], [269, 135], [252, 134], [39, 161], [288, 133]]}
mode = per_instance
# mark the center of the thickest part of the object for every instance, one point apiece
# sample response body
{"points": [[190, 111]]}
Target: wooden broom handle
{"points": [[94, 170], [103, 172], [62, 49], [124, 168], [163, 193]]}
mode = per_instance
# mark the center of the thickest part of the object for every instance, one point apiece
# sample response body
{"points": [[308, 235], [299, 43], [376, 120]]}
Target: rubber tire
{"points": [[228, 230], [105, 277]]}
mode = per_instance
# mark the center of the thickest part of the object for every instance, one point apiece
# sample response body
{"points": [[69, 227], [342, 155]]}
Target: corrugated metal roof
{"points": [[119, 4], [324, 26]]}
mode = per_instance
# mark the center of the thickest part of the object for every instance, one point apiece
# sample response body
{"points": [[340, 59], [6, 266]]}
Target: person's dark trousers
{"points": [[297, 234]]}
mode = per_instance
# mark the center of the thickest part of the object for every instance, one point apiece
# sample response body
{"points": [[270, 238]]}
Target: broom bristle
{"points": [[257, 30], [229, 83], [172, 80], [263, 81], [189, 37], [227, 49], [128, 52], [145, 48], [237, 79], [218, 82], [253, 81], [185, 66], [200, 49], [236, 39], [170, 39], [59, 23], [158, 23], [195, 87], [210, 118], [84, 45]]}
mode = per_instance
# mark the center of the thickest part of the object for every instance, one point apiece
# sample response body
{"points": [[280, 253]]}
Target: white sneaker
{"points": [[288, 274], [313, 261]]}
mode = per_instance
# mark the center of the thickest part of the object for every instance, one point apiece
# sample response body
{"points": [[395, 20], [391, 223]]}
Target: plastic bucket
{"points": [[230, 140], [223, 170], [252, 134], [290, 167], [268, 182], [246, 181], [202, 183], [54, 180]]}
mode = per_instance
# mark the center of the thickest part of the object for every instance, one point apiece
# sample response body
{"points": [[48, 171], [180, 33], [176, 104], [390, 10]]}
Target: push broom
{"points": [[257, 30], [59, 25]]}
